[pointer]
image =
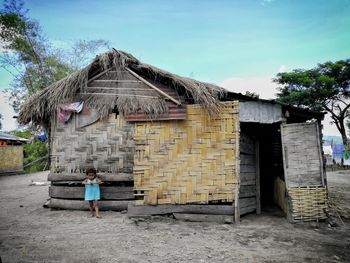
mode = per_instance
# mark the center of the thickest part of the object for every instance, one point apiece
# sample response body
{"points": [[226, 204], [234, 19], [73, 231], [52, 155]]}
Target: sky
{"points": [[240, 45]]}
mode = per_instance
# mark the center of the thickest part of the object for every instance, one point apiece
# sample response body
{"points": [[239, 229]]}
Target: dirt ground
{"points": [[31, 233]]}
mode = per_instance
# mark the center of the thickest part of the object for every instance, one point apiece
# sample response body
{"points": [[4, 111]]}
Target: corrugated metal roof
{"points": [[260, 112], [11, 137]]}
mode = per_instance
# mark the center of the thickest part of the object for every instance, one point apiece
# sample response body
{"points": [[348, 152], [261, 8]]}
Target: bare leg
{"points": [[97, 212], [91, 203]]}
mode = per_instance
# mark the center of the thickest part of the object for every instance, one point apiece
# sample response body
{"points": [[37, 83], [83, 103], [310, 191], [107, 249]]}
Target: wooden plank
{"points": [[204, 218], [236, 207], [248, 169], [284, 152], [247, 210], [248, 188], [107, 192], [174, 113], [319, 140], [118, 81], [248, 194], [257, 178], [245, 202], [247, 176], [84, 205], [247, 159], [187, 209], [117, 95], [120, 177], [98, 75], [248, 182], [152, 86], [117, 88]]}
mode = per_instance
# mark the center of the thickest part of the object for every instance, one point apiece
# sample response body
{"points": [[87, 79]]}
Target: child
{"points": [[92, 191]]}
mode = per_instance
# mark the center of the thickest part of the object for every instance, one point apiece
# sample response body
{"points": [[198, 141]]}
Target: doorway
{"points": [[267, 164]]}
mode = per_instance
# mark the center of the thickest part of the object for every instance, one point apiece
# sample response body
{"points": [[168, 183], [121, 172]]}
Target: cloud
{"points": [[282, 68], [328, 128], [264, 86], [7, 112]]}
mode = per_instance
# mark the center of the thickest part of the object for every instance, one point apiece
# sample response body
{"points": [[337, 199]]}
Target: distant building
{"points": [[11, 153]]}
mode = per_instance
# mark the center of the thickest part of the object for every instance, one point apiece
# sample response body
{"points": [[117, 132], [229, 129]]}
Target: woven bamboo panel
{"points": [[107, 145], [309, 203], [187, 161]]}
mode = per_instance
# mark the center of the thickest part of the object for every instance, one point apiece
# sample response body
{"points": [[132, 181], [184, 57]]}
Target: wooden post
{"points": [[284, 150], [319, 145], [238, 176], [257, 176]]}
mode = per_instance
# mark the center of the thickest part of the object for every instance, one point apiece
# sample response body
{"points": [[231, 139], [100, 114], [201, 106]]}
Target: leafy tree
{"points": [[30, 58], [34, 63], [33, 151], [1, 118], [325, 87], [252, 94]]}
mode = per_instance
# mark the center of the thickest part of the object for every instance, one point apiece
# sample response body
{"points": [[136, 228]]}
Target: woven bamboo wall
{"points": [[11, 158], [107, 145], [187, 161], [309, 203]]}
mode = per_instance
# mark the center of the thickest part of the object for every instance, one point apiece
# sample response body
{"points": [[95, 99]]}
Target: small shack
{"points": [[165, 144], [11, 154]]}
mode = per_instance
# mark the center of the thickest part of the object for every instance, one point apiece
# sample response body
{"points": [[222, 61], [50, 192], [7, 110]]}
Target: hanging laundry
{"points": [[338, 151], [43, 137], [64, 111]]}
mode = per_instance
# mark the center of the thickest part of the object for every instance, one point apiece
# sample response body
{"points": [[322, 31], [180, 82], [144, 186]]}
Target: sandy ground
{"points": [[31, 233]]}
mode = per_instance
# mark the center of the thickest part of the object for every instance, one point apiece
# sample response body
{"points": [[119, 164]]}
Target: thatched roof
{"points": [[41, 106]]}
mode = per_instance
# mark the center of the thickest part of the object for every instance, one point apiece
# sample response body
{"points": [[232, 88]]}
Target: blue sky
{"points": [[237, 44]]}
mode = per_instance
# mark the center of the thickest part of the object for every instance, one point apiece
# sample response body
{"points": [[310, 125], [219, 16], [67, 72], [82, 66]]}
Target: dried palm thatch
{"points": [[41, 107]]}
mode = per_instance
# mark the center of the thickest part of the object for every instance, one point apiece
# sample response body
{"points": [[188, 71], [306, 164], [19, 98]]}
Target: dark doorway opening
{"points": [[269, 161]]}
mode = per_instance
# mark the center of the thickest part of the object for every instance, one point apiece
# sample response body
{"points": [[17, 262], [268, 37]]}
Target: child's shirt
{"points": [[92, 192]]}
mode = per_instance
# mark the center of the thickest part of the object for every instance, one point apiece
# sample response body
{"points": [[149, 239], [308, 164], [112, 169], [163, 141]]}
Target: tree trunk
{"points": [[342, 131]]}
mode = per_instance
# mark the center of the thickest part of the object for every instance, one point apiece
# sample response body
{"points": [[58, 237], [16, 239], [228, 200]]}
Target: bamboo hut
{"points": [[11, 154], [165, 144]]}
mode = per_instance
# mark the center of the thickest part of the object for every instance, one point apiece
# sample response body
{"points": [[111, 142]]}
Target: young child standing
{"points": [[92, 191]]}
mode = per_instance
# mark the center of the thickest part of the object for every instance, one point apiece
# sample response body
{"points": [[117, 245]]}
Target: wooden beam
{"points": [[284, 151], [118, 81], [152, 86], [136, 210], [257, 176], [238, 175], [107, 192], [117, 88], [120, 177], [118, 95], [319, 143], [285, 158], [98, 75], [204, 218], [84, 205]]}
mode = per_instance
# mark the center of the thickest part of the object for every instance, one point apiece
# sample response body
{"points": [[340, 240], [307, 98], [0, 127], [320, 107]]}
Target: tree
{"points": [[325, 87], [30, 58], [254, 95], [33, 151], [34, 63]]}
